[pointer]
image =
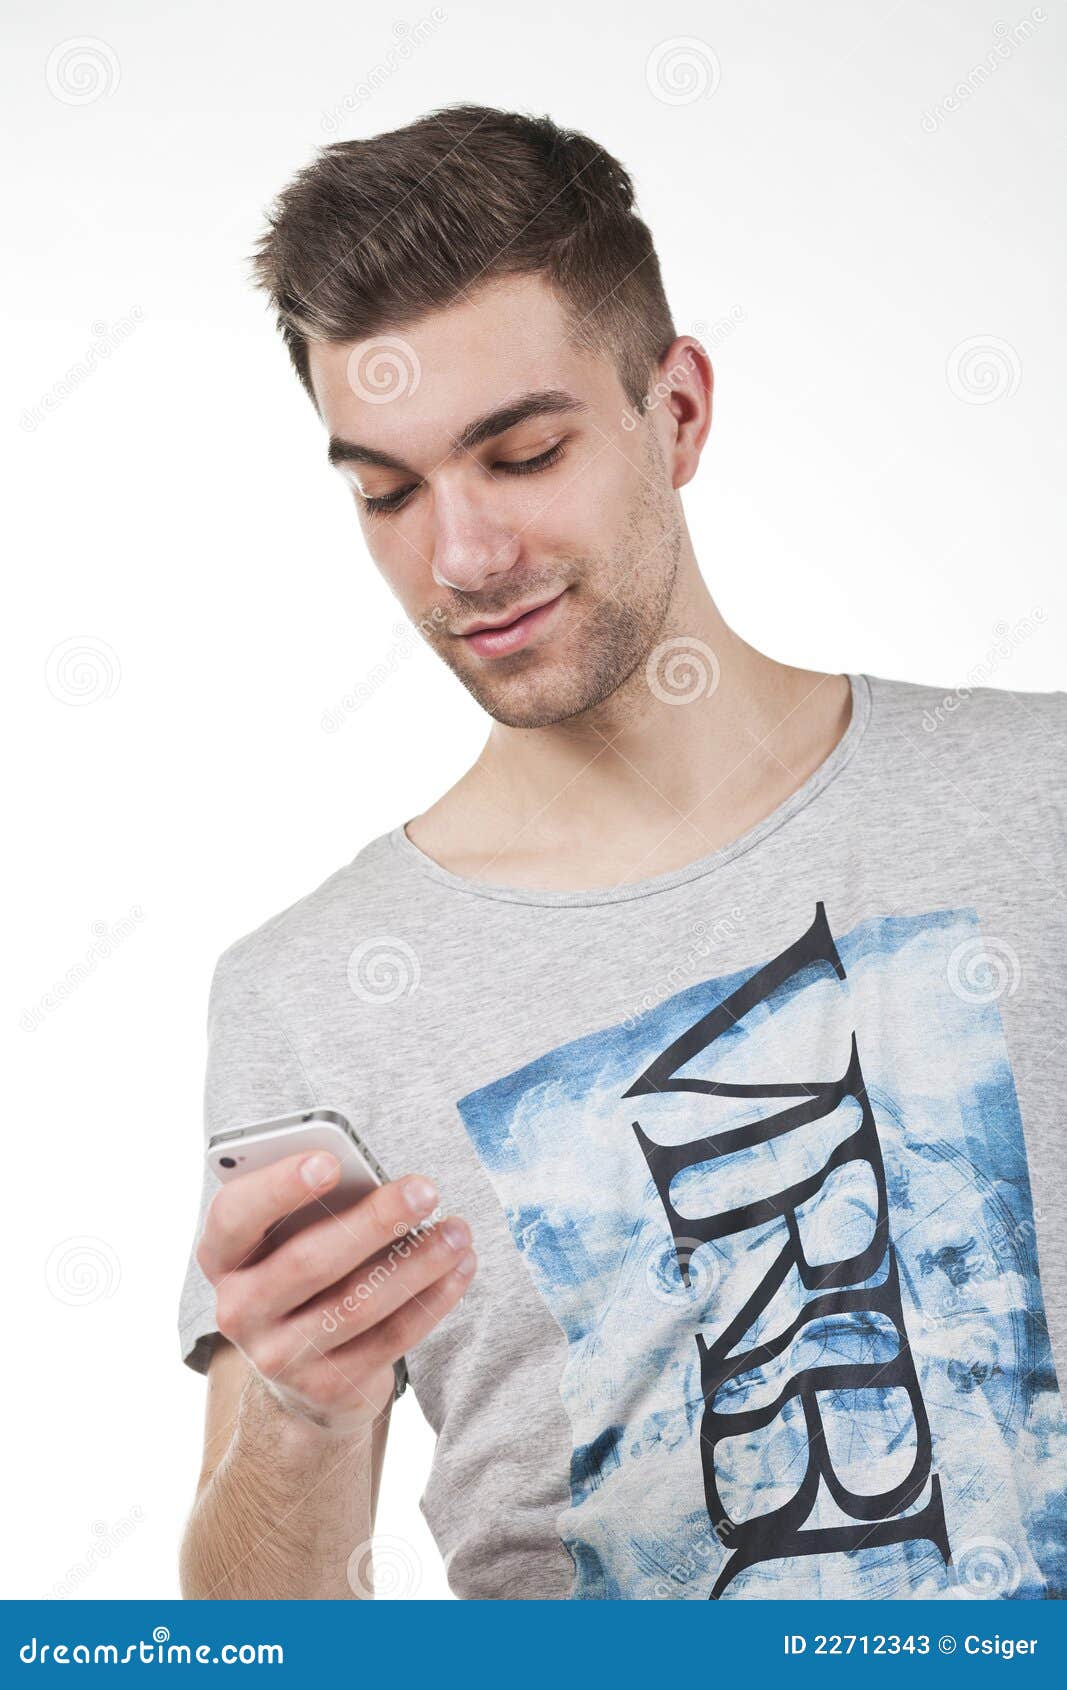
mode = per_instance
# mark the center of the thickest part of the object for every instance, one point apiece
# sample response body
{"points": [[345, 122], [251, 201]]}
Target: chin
{"points": [[540, 701], [531, 716]]}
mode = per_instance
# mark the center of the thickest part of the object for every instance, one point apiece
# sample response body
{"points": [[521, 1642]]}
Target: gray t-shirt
{"points": [[763, 1160]]}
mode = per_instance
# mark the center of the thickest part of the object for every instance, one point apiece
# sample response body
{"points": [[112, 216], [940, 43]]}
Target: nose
{"points": [[470, 546]]}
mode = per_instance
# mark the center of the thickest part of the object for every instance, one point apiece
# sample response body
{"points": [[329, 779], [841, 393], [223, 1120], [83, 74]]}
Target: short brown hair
{"points": [[378, 232]]}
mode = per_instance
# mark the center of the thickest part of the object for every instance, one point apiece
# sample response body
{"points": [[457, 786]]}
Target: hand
{"points": [[322, 1318]]}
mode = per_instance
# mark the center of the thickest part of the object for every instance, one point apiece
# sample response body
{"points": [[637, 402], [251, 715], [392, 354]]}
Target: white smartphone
{"points": [[244, 1150]]}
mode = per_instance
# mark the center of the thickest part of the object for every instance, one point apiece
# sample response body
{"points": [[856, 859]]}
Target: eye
{"points": [[530, 466], [387, 502]]}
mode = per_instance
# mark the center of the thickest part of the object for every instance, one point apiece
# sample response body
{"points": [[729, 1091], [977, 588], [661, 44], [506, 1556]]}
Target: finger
{"points": [[382, 1285], [328, 1249], [408, 1326], [244, 1209]]}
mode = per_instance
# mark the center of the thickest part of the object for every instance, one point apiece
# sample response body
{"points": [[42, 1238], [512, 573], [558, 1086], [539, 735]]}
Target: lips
{"points": [[504, 638]]}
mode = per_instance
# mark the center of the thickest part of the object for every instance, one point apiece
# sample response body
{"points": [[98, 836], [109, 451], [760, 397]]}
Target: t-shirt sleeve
{"points": [[253, 1072]]}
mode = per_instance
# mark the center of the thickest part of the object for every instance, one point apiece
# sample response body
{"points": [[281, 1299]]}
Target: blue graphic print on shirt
{"points": [[784, 1222]]}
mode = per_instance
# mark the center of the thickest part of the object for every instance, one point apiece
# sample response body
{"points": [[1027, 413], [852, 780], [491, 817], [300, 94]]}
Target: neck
{"points": [[693, 749]]}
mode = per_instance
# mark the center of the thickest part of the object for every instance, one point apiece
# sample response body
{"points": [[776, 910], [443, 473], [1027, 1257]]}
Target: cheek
{"points": [[398, 564], [575, 519]]}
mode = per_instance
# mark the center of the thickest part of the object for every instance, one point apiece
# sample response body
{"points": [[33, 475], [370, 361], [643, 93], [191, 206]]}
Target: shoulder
{"points": [[1016, 738], [292, 943]]}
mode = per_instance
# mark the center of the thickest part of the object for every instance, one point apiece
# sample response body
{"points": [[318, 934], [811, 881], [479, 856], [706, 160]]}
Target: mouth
{"points": [[499, 639]]}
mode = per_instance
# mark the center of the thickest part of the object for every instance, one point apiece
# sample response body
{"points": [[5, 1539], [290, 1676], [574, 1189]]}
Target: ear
{"points": [[681, 391]]}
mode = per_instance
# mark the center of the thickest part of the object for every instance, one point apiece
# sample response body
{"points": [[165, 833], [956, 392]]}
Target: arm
{"points": [[299, 1399], [281, 1503]]}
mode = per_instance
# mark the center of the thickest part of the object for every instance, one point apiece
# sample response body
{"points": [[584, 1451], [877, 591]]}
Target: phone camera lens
{"points": [[227, 1162]]}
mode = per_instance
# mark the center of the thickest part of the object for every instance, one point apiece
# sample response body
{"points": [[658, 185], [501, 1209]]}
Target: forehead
{"points": [[406, 390]]}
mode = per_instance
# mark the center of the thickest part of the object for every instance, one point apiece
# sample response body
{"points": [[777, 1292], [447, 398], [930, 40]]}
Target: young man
{"points": [[718, 1006]]}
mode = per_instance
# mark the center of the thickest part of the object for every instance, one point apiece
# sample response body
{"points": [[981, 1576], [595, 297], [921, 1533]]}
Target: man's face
{"points": [[536, 552]]}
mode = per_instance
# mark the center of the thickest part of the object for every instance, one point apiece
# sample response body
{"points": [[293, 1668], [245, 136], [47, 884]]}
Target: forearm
{"points": [[283, 1510]]}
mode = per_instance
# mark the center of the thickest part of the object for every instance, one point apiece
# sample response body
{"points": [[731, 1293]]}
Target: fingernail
{"points": [[419, 1194], [454, 1234], [465, 1265], [316, 1170]]}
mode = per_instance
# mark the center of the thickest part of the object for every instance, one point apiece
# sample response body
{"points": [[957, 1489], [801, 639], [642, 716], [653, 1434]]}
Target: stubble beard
{"points": [[612, 627]]}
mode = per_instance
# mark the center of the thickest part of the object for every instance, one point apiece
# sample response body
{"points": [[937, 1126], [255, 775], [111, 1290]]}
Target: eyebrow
{"points": [[547, 401]]}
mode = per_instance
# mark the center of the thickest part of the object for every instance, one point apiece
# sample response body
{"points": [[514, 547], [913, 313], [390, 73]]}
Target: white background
{"points": [[875, 496]]}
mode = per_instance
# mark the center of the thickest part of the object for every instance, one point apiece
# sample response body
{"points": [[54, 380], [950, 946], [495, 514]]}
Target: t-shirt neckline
{"points": [[816, 783]]}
